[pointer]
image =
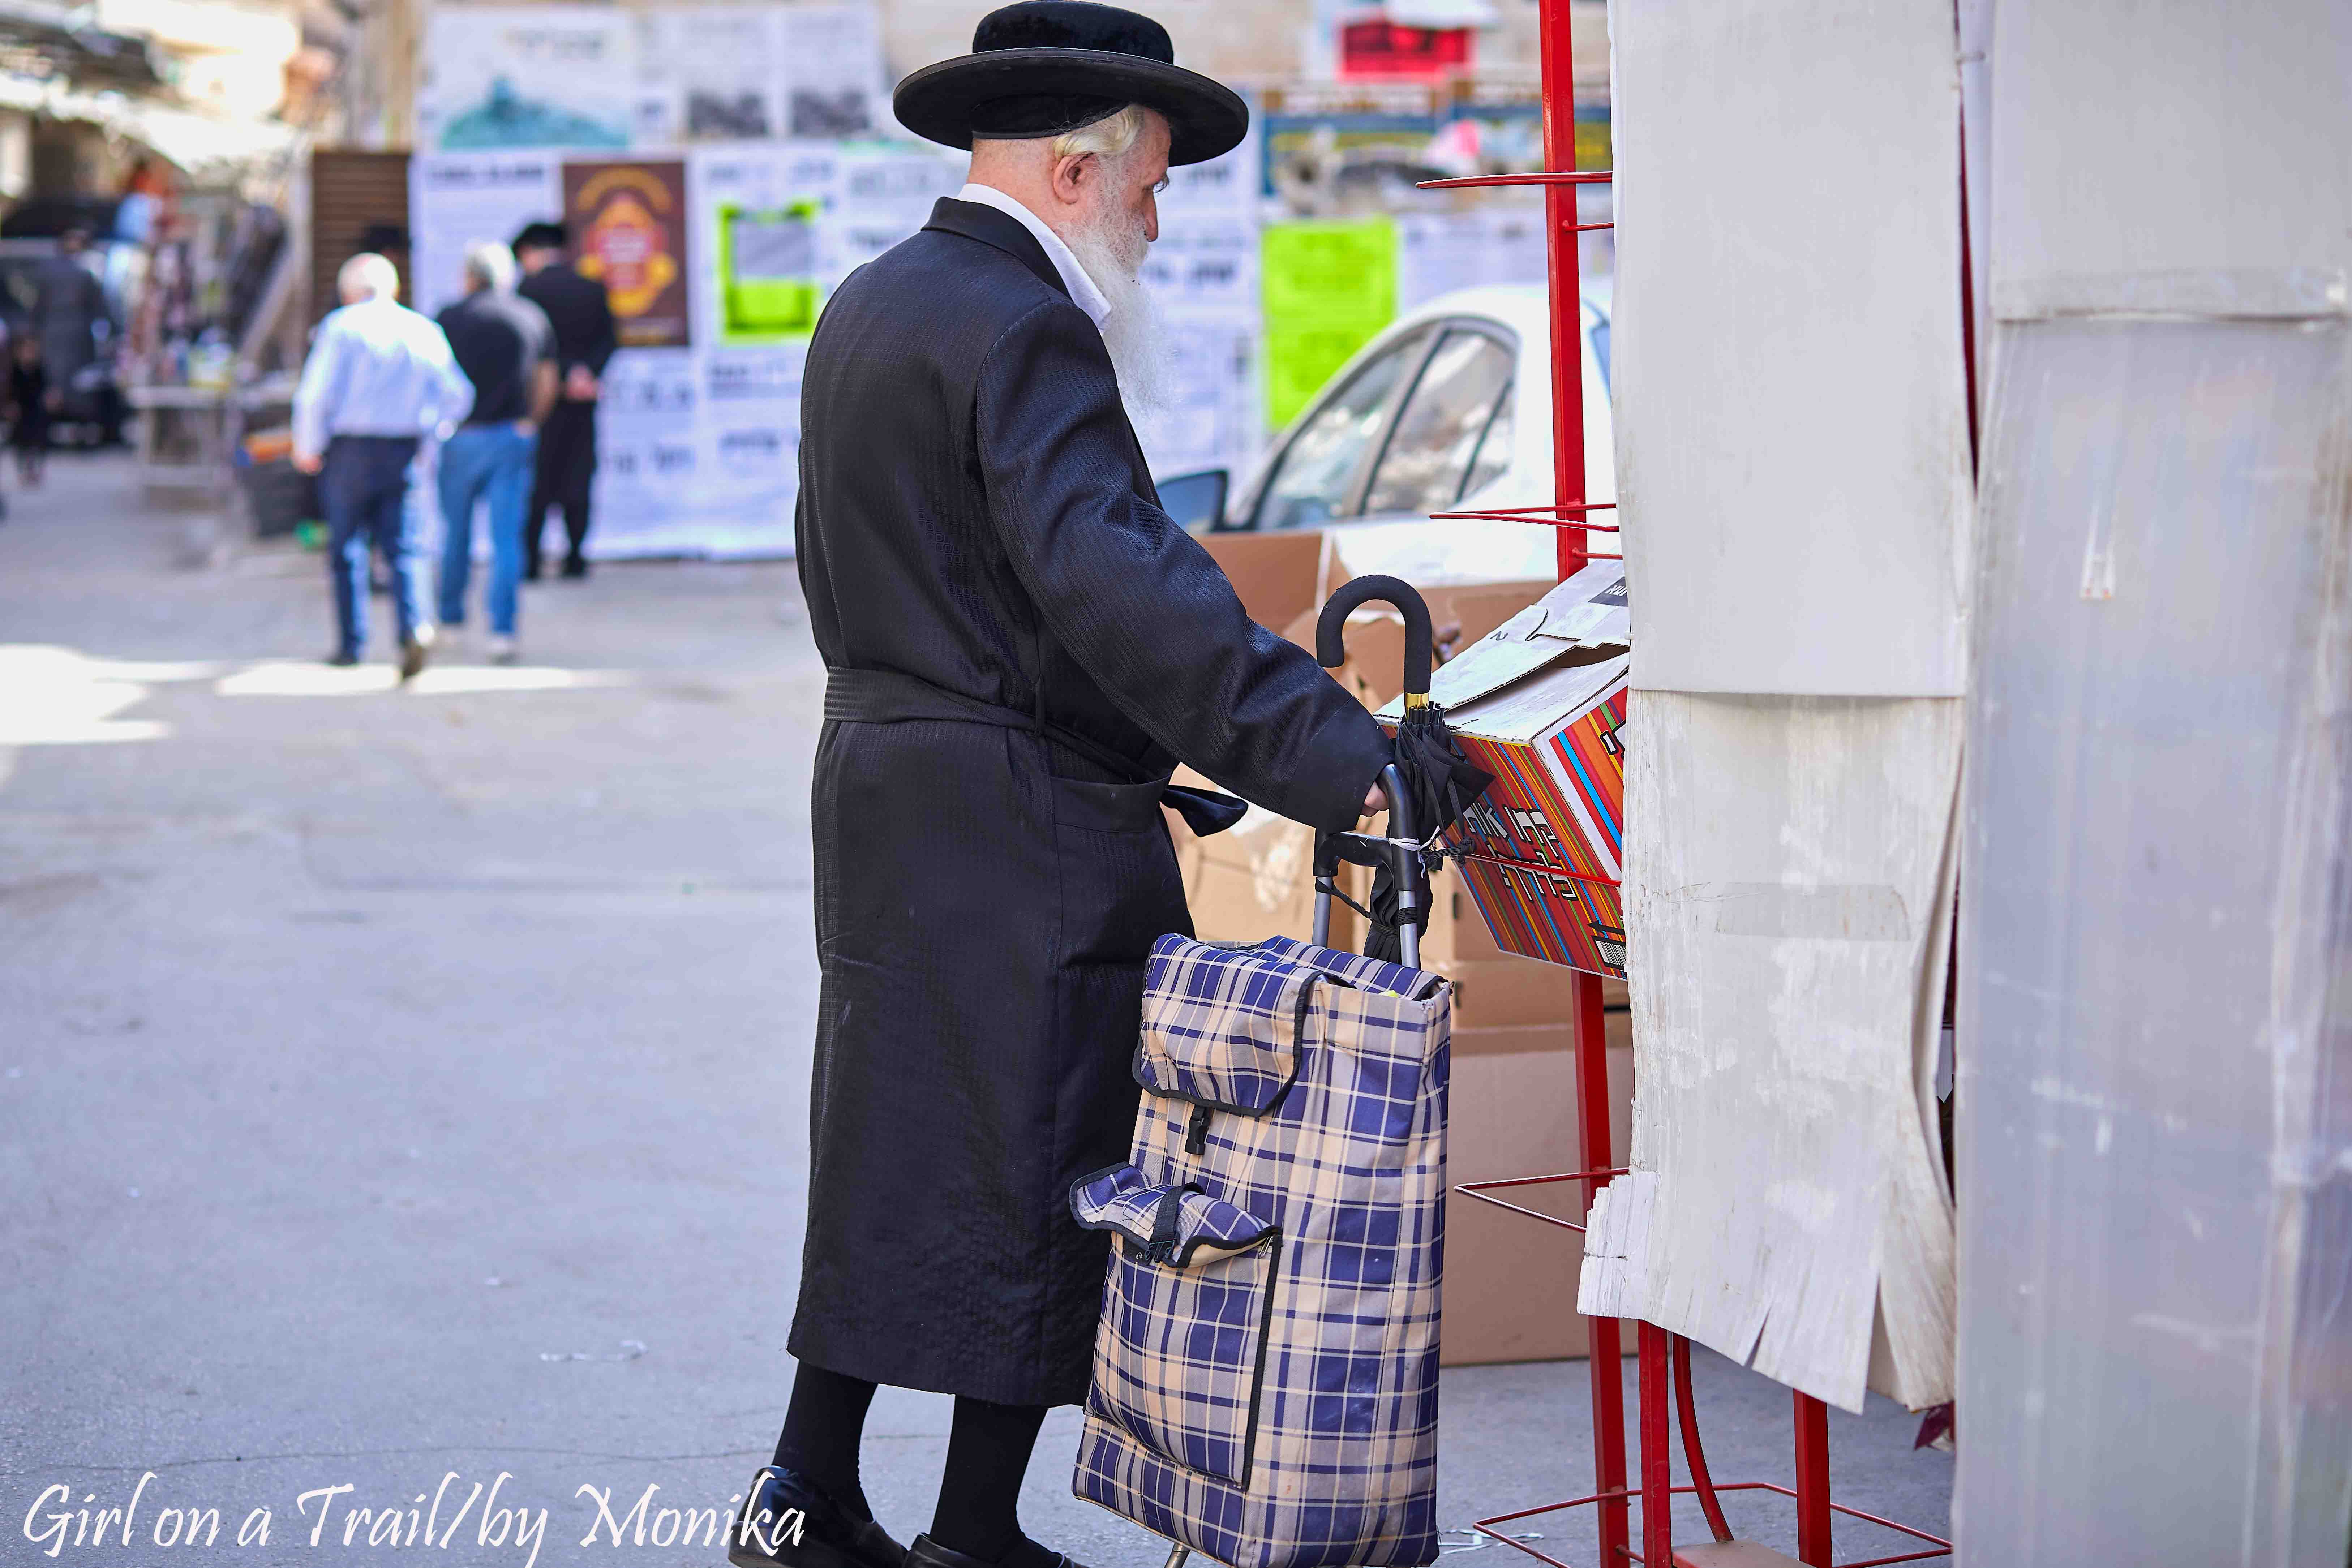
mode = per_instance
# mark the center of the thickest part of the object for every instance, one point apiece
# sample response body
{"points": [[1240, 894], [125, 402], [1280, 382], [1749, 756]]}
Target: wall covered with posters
{"points": [[716, 259], [722, 169]]}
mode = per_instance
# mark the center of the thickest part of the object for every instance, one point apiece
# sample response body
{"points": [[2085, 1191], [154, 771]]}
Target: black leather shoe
{"points": [[929, 1553], [786, 1517]]}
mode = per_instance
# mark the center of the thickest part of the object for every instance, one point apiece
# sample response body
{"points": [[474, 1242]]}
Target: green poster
{"points": [[767, 273], [1327, 288]]}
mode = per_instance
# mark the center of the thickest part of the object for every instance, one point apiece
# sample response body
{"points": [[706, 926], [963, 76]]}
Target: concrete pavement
{"points": [[395, 1084]]}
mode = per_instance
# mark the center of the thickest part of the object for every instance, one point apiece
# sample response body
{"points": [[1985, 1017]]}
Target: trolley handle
{"points": [[1331, 631], [1401, 822], [1404, 833], [1403, 846]]}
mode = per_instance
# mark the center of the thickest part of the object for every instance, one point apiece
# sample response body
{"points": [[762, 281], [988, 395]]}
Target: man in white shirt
{"points": [[380, 378]]}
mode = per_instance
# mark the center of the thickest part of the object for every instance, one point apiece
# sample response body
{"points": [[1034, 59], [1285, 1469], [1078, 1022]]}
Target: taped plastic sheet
{"points": [[1789, 878], [2156, 981], [1792, 461], [1793, 466], [2171, 157]]}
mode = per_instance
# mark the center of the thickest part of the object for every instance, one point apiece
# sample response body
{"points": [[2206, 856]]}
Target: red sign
{"points": [[1385, 49]]}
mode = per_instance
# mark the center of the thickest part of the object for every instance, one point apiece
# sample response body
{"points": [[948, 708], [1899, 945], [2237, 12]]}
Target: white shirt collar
{"points": [[1083, 292]]}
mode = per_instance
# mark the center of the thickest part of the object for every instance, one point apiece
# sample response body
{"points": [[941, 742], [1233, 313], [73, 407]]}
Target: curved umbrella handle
{"points": [[1331, 646]]}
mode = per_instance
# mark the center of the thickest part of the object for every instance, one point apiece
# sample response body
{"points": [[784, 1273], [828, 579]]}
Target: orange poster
{"points": [[628, 232]]}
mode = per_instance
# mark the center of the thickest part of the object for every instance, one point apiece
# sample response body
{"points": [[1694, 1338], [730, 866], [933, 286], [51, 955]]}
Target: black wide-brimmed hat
{"points": [[1043, 67]]}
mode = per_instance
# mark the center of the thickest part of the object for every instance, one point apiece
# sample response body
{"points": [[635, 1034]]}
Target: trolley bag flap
{"points": [[1356, 970], [1221, 1025], [1162, 1224]]}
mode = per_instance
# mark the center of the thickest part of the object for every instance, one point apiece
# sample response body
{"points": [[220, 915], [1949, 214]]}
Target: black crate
{"points": [[280, 495]]}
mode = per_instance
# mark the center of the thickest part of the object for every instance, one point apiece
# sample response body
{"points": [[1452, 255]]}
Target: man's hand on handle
{"points": [[1376, 800]]}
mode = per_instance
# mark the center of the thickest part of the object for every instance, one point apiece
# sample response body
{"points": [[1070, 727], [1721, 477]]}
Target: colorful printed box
{"points": [[1540, 704]]}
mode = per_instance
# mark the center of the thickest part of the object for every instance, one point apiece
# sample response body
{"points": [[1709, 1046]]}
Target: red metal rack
{"points": [[1663, 1359]]}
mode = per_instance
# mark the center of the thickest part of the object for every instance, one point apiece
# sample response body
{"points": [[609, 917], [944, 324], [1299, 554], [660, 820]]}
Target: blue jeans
{"points": [[492, 462], [367, 487]]}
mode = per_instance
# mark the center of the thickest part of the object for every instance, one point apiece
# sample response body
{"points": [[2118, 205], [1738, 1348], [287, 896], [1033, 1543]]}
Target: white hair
{"points": [[489, 264], [1111, 138], [367, 275]]}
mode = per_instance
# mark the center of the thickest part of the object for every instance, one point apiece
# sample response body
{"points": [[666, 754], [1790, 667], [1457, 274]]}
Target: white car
{"points": [[1448, 409]]}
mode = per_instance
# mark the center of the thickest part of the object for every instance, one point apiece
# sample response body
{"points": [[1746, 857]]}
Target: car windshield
{"points": [[1493, 454], [1310, 484], [1430, 456]]}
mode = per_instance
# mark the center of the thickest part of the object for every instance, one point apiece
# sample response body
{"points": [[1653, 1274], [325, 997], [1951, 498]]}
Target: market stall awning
{"points": [[208, 149], [43, 44]]}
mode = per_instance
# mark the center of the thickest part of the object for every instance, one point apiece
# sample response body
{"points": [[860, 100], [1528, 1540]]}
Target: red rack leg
{"points": [[1604, 1346], [1657, 1457], [1694, 1451], [1813, 1481], [1566, 305]]}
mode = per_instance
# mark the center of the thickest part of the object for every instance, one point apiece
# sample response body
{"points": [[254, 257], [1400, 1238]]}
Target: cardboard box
{"points": [[1495, 988], [1458, 943], [1277, 577], [1511, 1281], [1459, 617], [1255, 880], [1539, 704]]}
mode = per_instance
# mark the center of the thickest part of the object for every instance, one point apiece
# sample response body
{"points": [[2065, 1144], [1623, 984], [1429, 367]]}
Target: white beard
{"points": [[1111, 249]]}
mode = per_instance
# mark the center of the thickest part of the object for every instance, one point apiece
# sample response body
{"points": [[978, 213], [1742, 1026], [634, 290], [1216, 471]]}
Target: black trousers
{"points": [[567, 462]]}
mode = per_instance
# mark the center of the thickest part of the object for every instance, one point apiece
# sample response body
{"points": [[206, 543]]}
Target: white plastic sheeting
{"points": [[2156, 955], [2193, 159], [1788, 358], [1793, 468], [2155, 1056], [1786, 920]]}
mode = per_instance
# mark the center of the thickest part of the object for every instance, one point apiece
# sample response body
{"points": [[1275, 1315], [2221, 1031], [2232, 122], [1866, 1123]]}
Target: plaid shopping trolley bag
{"points": [[1264, 1385]]}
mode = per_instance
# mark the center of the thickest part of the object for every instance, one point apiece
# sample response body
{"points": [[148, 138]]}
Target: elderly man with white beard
{"points": [[1019, 646]]}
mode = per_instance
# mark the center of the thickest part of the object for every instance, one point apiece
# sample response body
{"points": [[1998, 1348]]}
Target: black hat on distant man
{"points": [[1041, 68], [541, 236]]}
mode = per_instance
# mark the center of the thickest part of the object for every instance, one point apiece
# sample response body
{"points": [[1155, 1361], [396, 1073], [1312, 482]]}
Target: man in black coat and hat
{"points": [[585, 338], [1019, 646]]}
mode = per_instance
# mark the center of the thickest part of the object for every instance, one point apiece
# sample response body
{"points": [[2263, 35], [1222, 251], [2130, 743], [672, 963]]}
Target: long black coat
{"points": [[975, 514], [580, 313]]}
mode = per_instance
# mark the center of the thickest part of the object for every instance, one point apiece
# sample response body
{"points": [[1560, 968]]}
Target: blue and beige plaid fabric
{"points": [[1122, 1199], [1223, 1035], [1271, 1400]]}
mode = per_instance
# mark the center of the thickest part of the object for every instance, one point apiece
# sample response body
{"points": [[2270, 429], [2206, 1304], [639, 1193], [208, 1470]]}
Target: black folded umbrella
{"points": [[1441, 783]]}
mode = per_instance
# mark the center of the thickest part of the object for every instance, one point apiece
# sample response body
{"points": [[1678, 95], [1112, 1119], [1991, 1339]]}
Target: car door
{"points": [[1320, 474]]}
